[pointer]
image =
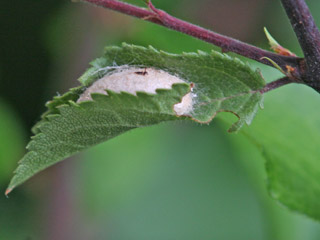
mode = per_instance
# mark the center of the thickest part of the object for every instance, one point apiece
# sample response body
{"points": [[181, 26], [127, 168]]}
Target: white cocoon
{"points": [[132, 80]]}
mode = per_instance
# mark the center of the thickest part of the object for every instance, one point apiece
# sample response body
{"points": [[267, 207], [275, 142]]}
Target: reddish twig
{"points": [[297, 69], [226, 43]]}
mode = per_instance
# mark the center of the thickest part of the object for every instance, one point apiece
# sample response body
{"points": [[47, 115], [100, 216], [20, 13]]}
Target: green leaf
{"points": [[220, 83]]}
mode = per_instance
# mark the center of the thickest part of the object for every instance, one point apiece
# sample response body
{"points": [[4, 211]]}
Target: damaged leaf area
{"points": [[131, 87]]}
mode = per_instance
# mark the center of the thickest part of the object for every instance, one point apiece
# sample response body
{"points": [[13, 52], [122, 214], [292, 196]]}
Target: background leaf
{"points": [[288, 138], [221, 84], [12, 140], [291, 148]]}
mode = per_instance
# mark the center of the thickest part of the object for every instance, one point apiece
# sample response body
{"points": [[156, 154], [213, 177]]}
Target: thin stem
{"points": [[276, 84], [226, 43]]}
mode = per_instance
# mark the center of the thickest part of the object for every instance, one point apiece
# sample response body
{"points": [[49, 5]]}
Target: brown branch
{"points": [[304, 26], [226, 43], [309, 38]]}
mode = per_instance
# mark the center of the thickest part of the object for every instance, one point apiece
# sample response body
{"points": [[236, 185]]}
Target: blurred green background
{"points": [[171, 181]]}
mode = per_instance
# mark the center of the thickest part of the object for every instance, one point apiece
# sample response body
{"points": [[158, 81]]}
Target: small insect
{"points": [[143, 73]]}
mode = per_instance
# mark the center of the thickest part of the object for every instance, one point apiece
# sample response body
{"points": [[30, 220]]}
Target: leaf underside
{"points": [[221, 84]]}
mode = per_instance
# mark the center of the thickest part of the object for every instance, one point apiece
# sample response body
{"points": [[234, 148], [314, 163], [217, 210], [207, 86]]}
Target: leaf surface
{"points": [[220, 83]]}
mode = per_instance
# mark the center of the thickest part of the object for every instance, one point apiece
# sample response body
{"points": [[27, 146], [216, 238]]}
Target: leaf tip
{"points": [[8, 191]]}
